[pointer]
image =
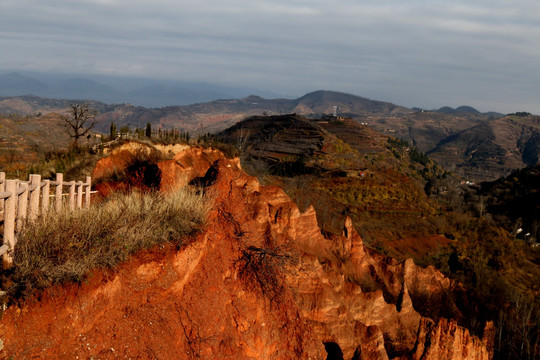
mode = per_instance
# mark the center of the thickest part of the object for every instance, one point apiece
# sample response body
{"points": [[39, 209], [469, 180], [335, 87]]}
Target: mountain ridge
{"points": [[431, 132]]}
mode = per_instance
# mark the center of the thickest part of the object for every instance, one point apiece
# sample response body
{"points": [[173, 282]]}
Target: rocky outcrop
{"points": [[163, 167], [444, 339], [186, 166], [261, 282]]}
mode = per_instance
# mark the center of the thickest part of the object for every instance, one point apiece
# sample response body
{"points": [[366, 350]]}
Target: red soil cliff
{"points": [[260, 282]]}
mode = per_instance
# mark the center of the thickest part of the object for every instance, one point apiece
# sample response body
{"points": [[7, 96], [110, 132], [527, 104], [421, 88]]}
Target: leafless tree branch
{"points": [[78, 121]]}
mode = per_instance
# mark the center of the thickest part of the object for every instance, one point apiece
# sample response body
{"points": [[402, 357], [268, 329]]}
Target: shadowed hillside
{"points": [[514, 202], [493, 149]]}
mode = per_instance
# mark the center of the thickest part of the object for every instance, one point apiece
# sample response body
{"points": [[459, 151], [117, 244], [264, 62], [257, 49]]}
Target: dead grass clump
{"points": [[66, 247]]}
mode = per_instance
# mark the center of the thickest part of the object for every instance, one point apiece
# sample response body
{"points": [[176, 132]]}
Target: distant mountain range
{"points": [[210, 116], [460, 110], [466, 110], [142, 92], [480, 146]]}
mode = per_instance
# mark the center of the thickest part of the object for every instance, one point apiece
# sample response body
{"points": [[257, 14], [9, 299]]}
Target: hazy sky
{"points": [[413, 53]]}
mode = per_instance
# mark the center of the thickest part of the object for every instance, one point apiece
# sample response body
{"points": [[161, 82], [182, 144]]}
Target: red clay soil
{"points": [[260, 282], [162, 304]]}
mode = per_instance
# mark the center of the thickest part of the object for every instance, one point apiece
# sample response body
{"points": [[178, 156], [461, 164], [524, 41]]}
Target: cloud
{"points": [[411, 52]]}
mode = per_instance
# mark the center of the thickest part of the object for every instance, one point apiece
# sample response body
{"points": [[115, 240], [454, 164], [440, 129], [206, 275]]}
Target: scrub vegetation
{"points": [[67, 246]]}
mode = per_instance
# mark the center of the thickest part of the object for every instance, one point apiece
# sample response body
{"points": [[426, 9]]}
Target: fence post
{"points": [[59, 192], [9, 220], [79, 194], [2, 188], [88, 189], [22, 205], [72, 195], [35, 191], [45, 197]]}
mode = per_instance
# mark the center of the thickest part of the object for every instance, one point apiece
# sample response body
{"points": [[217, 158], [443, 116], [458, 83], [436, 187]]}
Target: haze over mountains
{"points": [[152, 93], [111, 89]]}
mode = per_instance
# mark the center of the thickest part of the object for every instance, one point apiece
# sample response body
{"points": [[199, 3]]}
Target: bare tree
{"points": [[241, 139], [78, 121]]}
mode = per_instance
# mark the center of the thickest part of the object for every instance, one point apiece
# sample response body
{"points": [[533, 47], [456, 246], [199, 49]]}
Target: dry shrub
{"points": [[66, 246], [264, 266]]}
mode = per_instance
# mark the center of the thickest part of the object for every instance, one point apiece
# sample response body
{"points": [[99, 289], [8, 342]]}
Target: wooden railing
{"points": [[24, 201]]}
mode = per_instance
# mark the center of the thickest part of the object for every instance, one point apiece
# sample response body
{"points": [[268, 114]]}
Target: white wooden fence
{"points": [[24, 201]]}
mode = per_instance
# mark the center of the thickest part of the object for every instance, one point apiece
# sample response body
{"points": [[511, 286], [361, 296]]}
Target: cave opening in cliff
{"points": [[144, 176], [333, 350]]}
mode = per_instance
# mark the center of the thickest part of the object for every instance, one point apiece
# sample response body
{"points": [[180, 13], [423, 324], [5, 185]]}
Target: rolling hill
{"points": [[345, 168], [480, 146], [23, 140], [219, 114]]}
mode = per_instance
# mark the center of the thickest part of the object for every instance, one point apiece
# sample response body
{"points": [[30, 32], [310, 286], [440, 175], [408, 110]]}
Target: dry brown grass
{"points": [[67, 246]]}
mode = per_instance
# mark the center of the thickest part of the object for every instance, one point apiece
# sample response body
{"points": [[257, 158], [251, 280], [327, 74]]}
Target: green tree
{"points": [[125, 130], [148, 131], [113, 131]]}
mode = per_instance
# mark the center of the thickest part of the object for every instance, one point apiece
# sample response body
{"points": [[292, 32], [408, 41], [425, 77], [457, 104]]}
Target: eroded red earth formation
{"points": [[260, 282]]}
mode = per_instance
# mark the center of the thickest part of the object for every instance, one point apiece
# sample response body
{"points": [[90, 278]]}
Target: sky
{"points": [[426, 54]]}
